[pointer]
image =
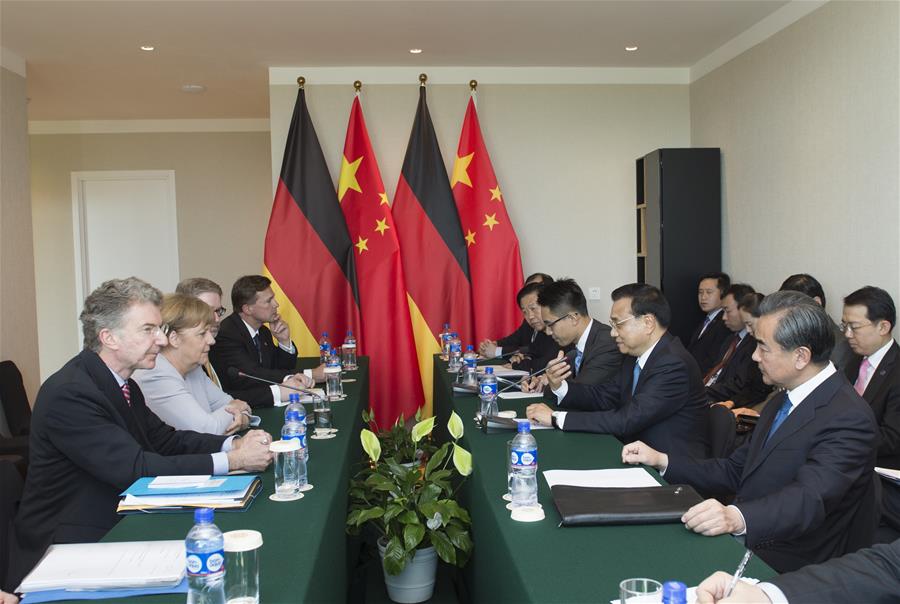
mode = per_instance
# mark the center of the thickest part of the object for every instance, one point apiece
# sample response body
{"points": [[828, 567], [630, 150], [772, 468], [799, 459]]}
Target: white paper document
{"points": [[616, 477], [108, 566], [304, 398], [181, 482], [513, 395], [501, 371]]}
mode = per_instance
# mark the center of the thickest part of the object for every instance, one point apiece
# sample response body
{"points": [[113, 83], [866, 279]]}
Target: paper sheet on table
{"points": [[616, 477], [168, 482], [304, 398], [55, 595], [501, 371], [515, 395], [108, 566], [654, 599]]}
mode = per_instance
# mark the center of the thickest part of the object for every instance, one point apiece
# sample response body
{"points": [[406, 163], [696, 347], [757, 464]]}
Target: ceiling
{"points": [[84, 61]]}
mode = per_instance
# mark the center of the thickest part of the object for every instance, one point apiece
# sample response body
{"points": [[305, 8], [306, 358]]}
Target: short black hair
{"points": [[645, 300], [750, 303], [539, 278], [245, 289], [528, 288], [802, 322], [738, 291], [805, 284], [879, 304], [722, 280], [563, 296]]}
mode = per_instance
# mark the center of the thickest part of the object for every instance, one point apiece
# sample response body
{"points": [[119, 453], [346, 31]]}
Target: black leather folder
{"points": [[587, 506]]}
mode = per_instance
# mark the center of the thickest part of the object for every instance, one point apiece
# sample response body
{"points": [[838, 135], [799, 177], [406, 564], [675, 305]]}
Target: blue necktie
{"points": [[578, 355], [635, 376], [779, 417]]}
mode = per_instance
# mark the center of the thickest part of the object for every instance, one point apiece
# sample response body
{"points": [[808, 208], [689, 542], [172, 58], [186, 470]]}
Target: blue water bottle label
{"points": [[200, 565], [300, 437], [524, 457], [489, 389], [455, 348]]}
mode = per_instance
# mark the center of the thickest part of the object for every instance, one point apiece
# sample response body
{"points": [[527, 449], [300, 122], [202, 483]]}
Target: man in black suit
{"points": [[245, 343], [735, 377], [523, 337], [707, 340], [869, 575], [541, 348], [658, 394], [867, 321], [92, 435], [803, 483]]}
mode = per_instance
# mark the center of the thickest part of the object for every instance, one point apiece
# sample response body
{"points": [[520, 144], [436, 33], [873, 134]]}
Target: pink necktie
{"points": [[126, 392], [863, 378]]}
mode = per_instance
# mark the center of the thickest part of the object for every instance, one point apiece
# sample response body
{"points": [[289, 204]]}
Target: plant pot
{"points": [[416, 582]]}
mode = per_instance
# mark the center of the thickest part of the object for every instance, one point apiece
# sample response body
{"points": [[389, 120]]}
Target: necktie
{"points": [[862, 380], [258, 349], [706, 322], [710, 378], [126, 392], [634, 376], [780, 416], [578, 356]]}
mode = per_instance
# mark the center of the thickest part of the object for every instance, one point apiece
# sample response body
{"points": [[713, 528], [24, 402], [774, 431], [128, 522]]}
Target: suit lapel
{"points": [[880, 377], [103, 378], [593, 330], [663, 342]]}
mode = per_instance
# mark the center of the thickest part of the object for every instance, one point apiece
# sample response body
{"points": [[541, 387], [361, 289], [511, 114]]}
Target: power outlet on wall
{"points": [[594, 293]]}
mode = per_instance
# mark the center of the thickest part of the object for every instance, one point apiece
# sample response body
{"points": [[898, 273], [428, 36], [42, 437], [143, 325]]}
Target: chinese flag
{"points": [[308, 253], [495, 267], [431, 245], [386, 336]]}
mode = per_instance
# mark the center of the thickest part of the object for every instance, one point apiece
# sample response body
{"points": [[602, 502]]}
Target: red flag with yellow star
{"points": [[495, 266], [387, 337]]}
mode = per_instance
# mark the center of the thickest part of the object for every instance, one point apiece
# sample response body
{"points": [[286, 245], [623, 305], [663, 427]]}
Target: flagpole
{"points": [[473, 86], [422, 79], [357, 86], [301, 82]]}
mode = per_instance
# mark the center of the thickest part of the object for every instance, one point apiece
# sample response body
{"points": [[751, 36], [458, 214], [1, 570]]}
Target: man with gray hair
{"points": [[92, 434], [803, 485]]}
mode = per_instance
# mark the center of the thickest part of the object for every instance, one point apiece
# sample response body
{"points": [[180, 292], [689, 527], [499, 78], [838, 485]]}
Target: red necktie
{"points": [[126, 392], [714, 372]]}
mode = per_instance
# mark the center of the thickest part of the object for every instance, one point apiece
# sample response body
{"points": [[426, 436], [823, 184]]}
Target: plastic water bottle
{"points": [[487, 391], [470, 359], [334, 390], [445, 342], [294, 406], [295, 427], [324, 347], [349, 351], [674, 592], [455, 352], [205, 549], [523, 467]]}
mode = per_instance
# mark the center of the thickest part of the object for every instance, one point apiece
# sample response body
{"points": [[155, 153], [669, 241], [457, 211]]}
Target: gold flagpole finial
{"points": [[357, 85], [301, 82], [473, 85], [422, 79]]}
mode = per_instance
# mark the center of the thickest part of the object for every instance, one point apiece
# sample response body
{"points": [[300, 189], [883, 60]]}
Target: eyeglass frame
{"points": [[220, 312], [555, 321], [853, 328], [615, 324]]}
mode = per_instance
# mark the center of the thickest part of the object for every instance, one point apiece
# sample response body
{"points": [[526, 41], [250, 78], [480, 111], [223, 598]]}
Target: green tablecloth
{"points": [[541, 562], [304, 552]]}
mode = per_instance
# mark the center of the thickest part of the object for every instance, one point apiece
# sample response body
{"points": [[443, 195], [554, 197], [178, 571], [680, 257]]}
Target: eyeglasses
{"points": [[154, 330], [625, 320], [852, 327], [549, 325], [220, 312]]}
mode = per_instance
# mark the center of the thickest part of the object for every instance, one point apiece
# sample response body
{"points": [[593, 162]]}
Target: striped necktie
{"points": [[126, 392]]}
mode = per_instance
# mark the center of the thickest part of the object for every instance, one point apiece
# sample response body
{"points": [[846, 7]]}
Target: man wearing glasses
{"points": [[658, 395], [92, 434]]}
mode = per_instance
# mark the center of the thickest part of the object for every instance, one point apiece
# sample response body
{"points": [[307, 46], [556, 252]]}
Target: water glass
{"points": [[643, 591], [323, 417], [509, 464], [242, 566], [287, 466]]}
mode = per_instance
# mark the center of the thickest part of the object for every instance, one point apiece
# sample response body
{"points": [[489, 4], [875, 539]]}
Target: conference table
{"points": [[304, 554], [542, 562]]}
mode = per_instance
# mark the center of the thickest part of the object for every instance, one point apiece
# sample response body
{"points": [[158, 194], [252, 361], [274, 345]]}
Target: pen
{"points": [[739, 572]]}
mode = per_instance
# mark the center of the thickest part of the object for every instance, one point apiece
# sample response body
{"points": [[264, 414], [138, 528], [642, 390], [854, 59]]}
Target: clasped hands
{"points": [[250, 452], [241, 412]]}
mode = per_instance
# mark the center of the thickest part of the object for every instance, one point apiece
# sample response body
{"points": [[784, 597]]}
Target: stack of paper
{"points": [[501, 371], [615, 477], [92, 569], [305, 398], [179, 492]]}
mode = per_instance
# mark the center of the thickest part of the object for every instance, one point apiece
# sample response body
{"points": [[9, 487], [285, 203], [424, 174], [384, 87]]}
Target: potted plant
{"points": [[411, 505]]}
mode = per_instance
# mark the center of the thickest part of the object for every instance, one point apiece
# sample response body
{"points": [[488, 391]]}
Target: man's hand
{"points": [[711, 518], [535, 384], [540, 413], [744, 411], [281, 331], [6, 598], [712, 590], [488, 349], [298, 380], [726, 404], [558, 371], [516, 358], [638, 453], [251, 452]]}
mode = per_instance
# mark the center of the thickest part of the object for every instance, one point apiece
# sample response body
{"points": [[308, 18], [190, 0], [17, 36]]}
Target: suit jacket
{"points": [[234, 348], [541, 350], [87, 446], [870, 575], [668, 409], [801, 492], [520, 339], [706, 348], [740, 380], [883, 395]]}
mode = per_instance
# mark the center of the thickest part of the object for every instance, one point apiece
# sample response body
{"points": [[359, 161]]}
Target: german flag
{"points": [[431, 245], [308, 252], [386, 335]]}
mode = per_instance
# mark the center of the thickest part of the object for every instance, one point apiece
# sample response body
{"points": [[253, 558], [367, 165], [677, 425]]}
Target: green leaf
{"points": [[459, 537], [418, 416], [408, 517], [370, 444], [412, 535], [462, 460], [423, 428], [392, 511], [442, 546], [436, 459], [369, 514], [352, 517], [457, 511], [378, 482], [429, 493], [394, 557], [455, 426], [429, 508]]}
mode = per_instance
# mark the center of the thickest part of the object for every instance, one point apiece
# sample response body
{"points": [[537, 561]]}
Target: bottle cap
{"points": [[349, 333], [294, 397], [469, 347], [523, 426], [489, 370], [203, 515], [242, 541], [324, 334], [674, 592]]}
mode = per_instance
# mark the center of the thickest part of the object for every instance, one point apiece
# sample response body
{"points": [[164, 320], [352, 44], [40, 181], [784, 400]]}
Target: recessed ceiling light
{"points": [[193, 88], [415, 51], [631, 48], [148, 48]]}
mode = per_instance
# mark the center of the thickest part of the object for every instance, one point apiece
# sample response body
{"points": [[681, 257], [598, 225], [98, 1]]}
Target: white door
{"points": [[125, 225]]}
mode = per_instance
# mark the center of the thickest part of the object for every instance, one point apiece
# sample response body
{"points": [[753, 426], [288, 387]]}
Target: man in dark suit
{"points": [[541, 348], [867, 321], [735, 377], [869, 575], [92, 435], [707, 340], [658, 394], [803, 483], [244, 343], [523, 337]]}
